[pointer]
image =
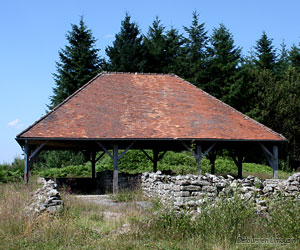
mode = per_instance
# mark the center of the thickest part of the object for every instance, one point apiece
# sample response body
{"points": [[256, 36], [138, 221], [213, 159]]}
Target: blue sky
{"points": [[32, 33]]}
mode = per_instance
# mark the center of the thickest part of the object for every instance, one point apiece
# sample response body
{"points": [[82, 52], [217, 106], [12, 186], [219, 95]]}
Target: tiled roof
{"points": [[145, 106]]}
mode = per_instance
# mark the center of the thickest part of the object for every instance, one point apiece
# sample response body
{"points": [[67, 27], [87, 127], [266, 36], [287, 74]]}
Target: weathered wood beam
{"points": [[116, 171], [100, 156], [238, 162], [199, 158], [209, 149], [275, 161], [126, 149], [155, 160], [212, 159], [93, 161], [148, 156], [30, 158], [162, 155], [272, 158], [105, 150], [35, 153], [27, 163], [188, 149]]}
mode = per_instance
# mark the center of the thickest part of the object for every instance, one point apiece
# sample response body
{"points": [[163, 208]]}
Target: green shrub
{"points": [[13, 171], [285, 218]]}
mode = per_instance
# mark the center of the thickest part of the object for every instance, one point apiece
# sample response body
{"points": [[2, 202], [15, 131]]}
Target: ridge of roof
{"points": [[60, 104], [155, 74], [225, 104]]}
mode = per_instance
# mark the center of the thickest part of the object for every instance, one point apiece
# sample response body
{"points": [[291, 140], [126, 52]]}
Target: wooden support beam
{"points": [[148, 156], [199, 158], [30, 158], [198, 155], [27, 163], [272, 158], [105, 150], [126, 149], [275, 162], [239, 163], [188, 149], [100, 156], [212, 159], [93, 161], [35, 153], [161, 155], [155, 160], [116, 171], [209, 149]]}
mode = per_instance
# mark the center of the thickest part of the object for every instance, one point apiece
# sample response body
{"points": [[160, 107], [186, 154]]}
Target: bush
{"points": [[13, 171]]}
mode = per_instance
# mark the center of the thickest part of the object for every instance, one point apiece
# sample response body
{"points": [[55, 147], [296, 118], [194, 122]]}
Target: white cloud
{"points": [[15, 124]]}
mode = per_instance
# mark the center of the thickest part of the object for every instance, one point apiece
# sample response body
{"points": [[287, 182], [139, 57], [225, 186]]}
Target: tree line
{"points": [[264, 84]]}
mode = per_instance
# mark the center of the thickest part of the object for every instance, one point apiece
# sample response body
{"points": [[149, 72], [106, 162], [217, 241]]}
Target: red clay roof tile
{"points": [[146, 106]]}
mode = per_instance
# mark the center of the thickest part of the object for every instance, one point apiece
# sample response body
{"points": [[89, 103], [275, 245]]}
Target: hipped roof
{"points": [[145, 106]]}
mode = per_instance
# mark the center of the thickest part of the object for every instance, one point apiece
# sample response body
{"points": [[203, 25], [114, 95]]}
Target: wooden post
{"points": [[116, 173], [212, 159], [27, 163], [239, 163], [240, 167], [275, 162], [199, 158], [155, 160], [93, 161]]}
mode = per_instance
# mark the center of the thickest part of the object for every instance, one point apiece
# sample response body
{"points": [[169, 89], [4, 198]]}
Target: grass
{"points": [[128, 195], [84, 225]]}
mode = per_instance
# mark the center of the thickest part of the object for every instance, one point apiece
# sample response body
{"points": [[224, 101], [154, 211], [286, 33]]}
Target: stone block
{"points": [[190, 188], [209, 189], [182, 194], [201, 183]]}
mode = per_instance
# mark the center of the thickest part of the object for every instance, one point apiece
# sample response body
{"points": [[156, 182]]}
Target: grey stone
{"points": [[190, 188], [201, 183], [183, 182], [182, 194], [209, 189], [292, 188]]}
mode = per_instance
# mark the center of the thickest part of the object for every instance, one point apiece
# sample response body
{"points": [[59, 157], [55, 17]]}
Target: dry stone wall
{"points": [[45, 199], [190, 191]]}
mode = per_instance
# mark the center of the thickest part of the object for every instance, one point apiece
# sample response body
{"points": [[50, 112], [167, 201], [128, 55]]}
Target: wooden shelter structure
{"points": [[161, 112]]}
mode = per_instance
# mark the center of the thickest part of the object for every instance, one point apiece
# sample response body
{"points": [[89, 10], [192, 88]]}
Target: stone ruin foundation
{"points": [[191, 191], [45, 200]]}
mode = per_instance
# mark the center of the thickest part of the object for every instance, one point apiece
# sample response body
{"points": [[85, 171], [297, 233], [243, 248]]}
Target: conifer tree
{"points": [[222, 65], [283, 61], [173, 53], [127, 53], [156, 47], [265, 53], [195, 50], [294, 57], [79, 62]]}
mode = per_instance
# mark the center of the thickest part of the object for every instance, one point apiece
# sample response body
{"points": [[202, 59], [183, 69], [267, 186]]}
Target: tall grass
{"points": [[83, 225]]}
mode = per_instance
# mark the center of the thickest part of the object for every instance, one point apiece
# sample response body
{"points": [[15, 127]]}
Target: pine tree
{"points": [[265, 53], [79, 62], [283, 60], [127, 53], [173, 53], [195, 50], [156, 47], [222, 66], [294, 57]]}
